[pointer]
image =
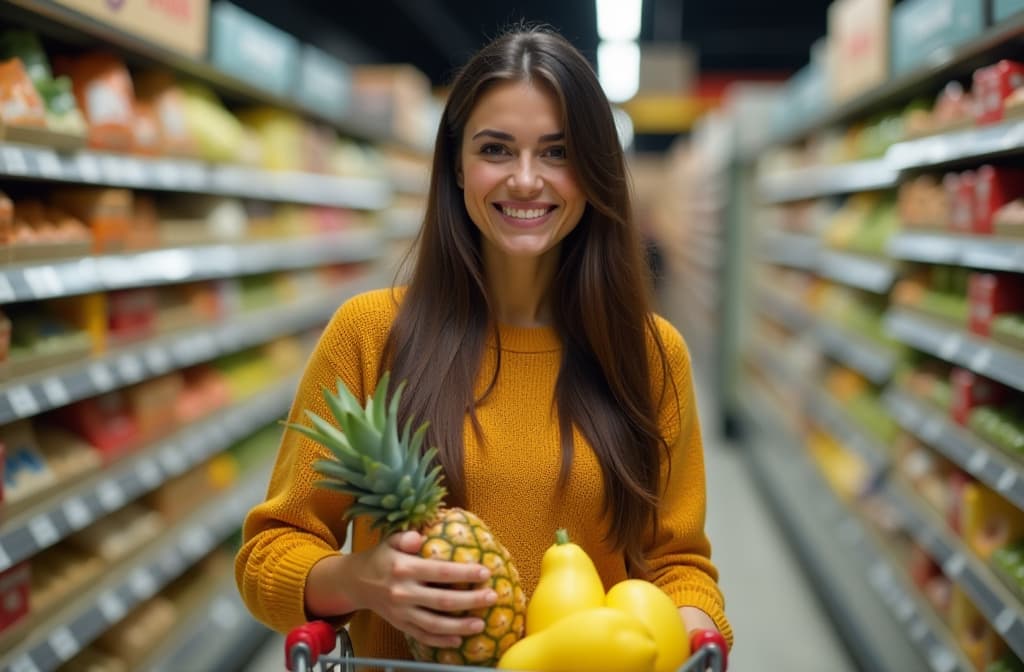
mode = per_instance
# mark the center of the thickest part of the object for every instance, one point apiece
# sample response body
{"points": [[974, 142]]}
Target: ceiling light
{"points": [[619, 20], [618, 68]]}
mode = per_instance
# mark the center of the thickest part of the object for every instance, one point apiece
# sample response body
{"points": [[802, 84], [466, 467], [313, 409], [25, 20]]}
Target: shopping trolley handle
{"points": [[305, 644], [714, 647]]}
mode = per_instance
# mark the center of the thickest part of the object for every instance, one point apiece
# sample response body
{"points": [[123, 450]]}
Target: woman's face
{"points": [[517, 183]]}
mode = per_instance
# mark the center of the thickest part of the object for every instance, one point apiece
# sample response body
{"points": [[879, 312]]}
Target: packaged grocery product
{"points": [[107, 212], [120, 533], [971, 391], [149, 401], [40, 232], [15, 589], [991, 295], [104, 91], [218, 135], [977, 638], [146, 136], [42, 338], [961, 190], [954, 109], [159, 91], [26, 470], [995, 187], [105, 421], [992, 86], [132, 314], [21, 108], [135, 637], [59, 573]]}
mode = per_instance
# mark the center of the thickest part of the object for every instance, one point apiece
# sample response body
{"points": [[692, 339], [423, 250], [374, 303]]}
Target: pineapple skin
{"points": [[460, 536]]}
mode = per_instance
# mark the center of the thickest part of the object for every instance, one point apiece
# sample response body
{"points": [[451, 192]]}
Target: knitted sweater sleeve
{"points": [[678, 551], [298, 524]]}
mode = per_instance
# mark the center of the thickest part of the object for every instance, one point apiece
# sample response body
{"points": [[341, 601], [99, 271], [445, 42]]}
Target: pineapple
{"points": [[395, 488]]}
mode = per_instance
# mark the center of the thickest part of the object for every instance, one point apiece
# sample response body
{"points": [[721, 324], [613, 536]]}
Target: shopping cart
{"points": [[311, 647]]}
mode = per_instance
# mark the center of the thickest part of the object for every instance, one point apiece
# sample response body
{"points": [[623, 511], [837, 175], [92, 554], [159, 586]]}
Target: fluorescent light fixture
{"points": [[618, 68], [619, 20]]}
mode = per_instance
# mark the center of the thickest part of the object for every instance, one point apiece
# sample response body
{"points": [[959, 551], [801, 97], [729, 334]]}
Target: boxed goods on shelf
{"points": [[252, 50], [993, 84], [131, 640], [858, 42], [107, 212], [105, 94], [922, 27], [106, 422], [15, 593], [42, 337], [58, 574], [988, 521], [995, 188], [922, 203], [939, 291], [971, 391], [30, 231], [992, 296]]}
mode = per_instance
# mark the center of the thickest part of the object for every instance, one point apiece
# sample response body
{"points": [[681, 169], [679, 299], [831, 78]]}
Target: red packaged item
{"points": [[992, 294], [14, 595], [132, 313], [994, 188], [104, 91], [971, 391], [992, 86], [106, 422]]}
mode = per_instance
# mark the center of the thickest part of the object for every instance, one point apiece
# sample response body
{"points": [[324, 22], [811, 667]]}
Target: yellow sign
{"points": [[178, 25], [665, 113]]}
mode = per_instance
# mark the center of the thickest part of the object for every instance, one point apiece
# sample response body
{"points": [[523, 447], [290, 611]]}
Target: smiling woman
{"points": [[556, 398]]}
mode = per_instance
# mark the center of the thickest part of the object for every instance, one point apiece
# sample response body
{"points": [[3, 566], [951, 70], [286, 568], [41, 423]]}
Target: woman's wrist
{"points": [[696, 619], [327, 592]]}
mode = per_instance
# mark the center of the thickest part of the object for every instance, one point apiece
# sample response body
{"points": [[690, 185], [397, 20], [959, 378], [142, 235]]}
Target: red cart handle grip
{"points": [[703, 638], [309, 641]]}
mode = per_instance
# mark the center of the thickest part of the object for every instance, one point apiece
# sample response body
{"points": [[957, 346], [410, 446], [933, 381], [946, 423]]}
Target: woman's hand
{"points": [[411, 593], [695, 619]]}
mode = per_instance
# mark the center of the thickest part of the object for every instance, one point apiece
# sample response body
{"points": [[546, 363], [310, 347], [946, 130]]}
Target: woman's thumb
{"points": [[406, 542]]}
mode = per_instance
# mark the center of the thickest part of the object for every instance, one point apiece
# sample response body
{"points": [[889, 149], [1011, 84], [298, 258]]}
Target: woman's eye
{"points": [[493, 150], [557, 152]]}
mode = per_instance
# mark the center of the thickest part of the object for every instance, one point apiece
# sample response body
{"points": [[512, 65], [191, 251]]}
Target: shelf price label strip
{"points": [[985, 462], [997, 254], [1000, 608], [163, 462], [873, 361], [171, 266], [957, 146], [972, 352], [820, 181], [186, 547], [873, 275], [21, 400], [97, 168]]}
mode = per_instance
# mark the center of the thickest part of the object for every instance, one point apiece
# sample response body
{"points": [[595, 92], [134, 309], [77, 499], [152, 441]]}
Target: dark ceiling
{"points": [[438, 35]]}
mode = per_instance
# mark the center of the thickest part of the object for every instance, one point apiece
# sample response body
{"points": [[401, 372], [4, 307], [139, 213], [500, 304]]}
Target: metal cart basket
{"points": [[316, 647]]}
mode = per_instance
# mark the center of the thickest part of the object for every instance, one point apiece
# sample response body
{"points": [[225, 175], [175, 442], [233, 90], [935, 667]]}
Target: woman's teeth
{"points": [[524, 214]]}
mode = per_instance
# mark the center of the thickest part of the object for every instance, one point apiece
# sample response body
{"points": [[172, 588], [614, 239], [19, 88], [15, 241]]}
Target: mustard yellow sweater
{"points": [[510, 481]]}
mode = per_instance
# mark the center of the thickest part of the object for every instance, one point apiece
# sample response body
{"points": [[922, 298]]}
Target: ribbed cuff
{"points": [[284, 592], [707, 602]]}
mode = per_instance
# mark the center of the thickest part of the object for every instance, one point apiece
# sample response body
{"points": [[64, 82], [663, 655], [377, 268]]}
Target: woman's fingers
{"points": [[440, 571], [445, 627], [446, 600]]}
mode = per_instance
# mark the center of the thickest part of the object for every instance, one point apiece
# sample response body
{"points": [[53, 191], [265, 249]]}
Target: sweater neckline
{"points": [[526, 339]]}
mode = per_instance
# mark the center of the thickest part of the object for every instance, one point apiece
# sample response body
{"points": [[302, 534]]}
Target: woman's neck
{"points": [[519, 289]]}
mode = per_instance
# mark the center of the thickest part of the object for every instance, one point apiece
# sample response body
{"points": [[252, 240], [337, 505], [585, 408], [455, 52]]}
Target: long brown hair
{"points": [[600, 295]]}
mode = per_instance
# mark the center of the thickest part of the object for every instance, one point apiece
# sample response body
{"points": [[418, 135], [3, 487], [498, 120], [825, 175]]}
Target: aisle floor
{"points": [[779, 625]]}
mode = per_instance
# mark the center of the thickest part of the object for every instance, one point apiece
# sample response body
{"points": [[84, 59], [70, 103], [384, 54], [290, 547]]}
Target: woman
{"points": [[523, 334]]}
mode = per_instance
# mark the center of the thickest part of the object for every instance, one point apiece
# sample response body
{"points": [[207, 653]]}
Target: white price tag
{"points": [[7, 294], [22, 401], [44, 532], [142, 583], [172, 563], [1007, 481], [225, 614], [77, 513], [101, 377], [931, 431], [168, 174], [172, 460], [978, 462], [44, 281], [157, 360], [56, 392], [954, 566], [88, 168], [195, 448], [134, 172], [49, 164], [148, 474], [111, 606], [14, 161], [1005, 620], [25, 663], [129, 368], [981, 360], [5, 560], [949, 346], [111, 495], [64, 643], [111, 167], [196, 542]]}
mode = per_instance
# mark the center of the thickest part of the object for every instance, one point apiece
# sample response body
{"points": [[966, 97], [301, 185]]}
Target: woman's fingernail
{"points": [[491, 597], [478, 626], [485, 574]]}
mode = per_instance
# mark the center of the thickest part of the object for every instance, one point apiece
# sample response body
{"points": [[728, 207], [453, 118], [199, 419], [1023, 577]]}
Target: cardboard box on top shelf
{"points": [[858, 42], [395, 96], [178, 25], [924, 29]]}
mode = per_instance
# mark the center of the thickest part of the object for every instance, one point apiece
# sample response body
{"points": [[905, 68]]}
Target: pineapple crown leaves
{"points": [[384, 471]]}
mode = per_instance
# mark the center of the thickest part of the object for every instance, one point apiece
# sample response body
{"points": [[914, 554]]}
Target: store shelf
{"points": [[983, 252], [820, 181], [828, 415], [793, 250], [31, 396], [973, 352], [874, 361], [39, 281], [93, 614], [784, 311], [218, 637], [193, 177], [1001, 40], [974, 144], [830, 546], [985, 462], [82, 504], [960, 565], [54, 19], [868, 273]]}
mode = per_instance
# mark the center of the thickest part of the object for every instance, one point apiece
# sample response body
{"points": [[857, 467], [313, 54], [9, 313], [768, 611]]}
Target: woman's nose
{"points": [[525, 177]]}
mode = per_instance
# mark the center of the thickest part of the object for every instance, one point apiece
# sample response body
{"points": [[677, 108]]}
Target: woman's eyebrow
{"points": [[508, 137]]}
